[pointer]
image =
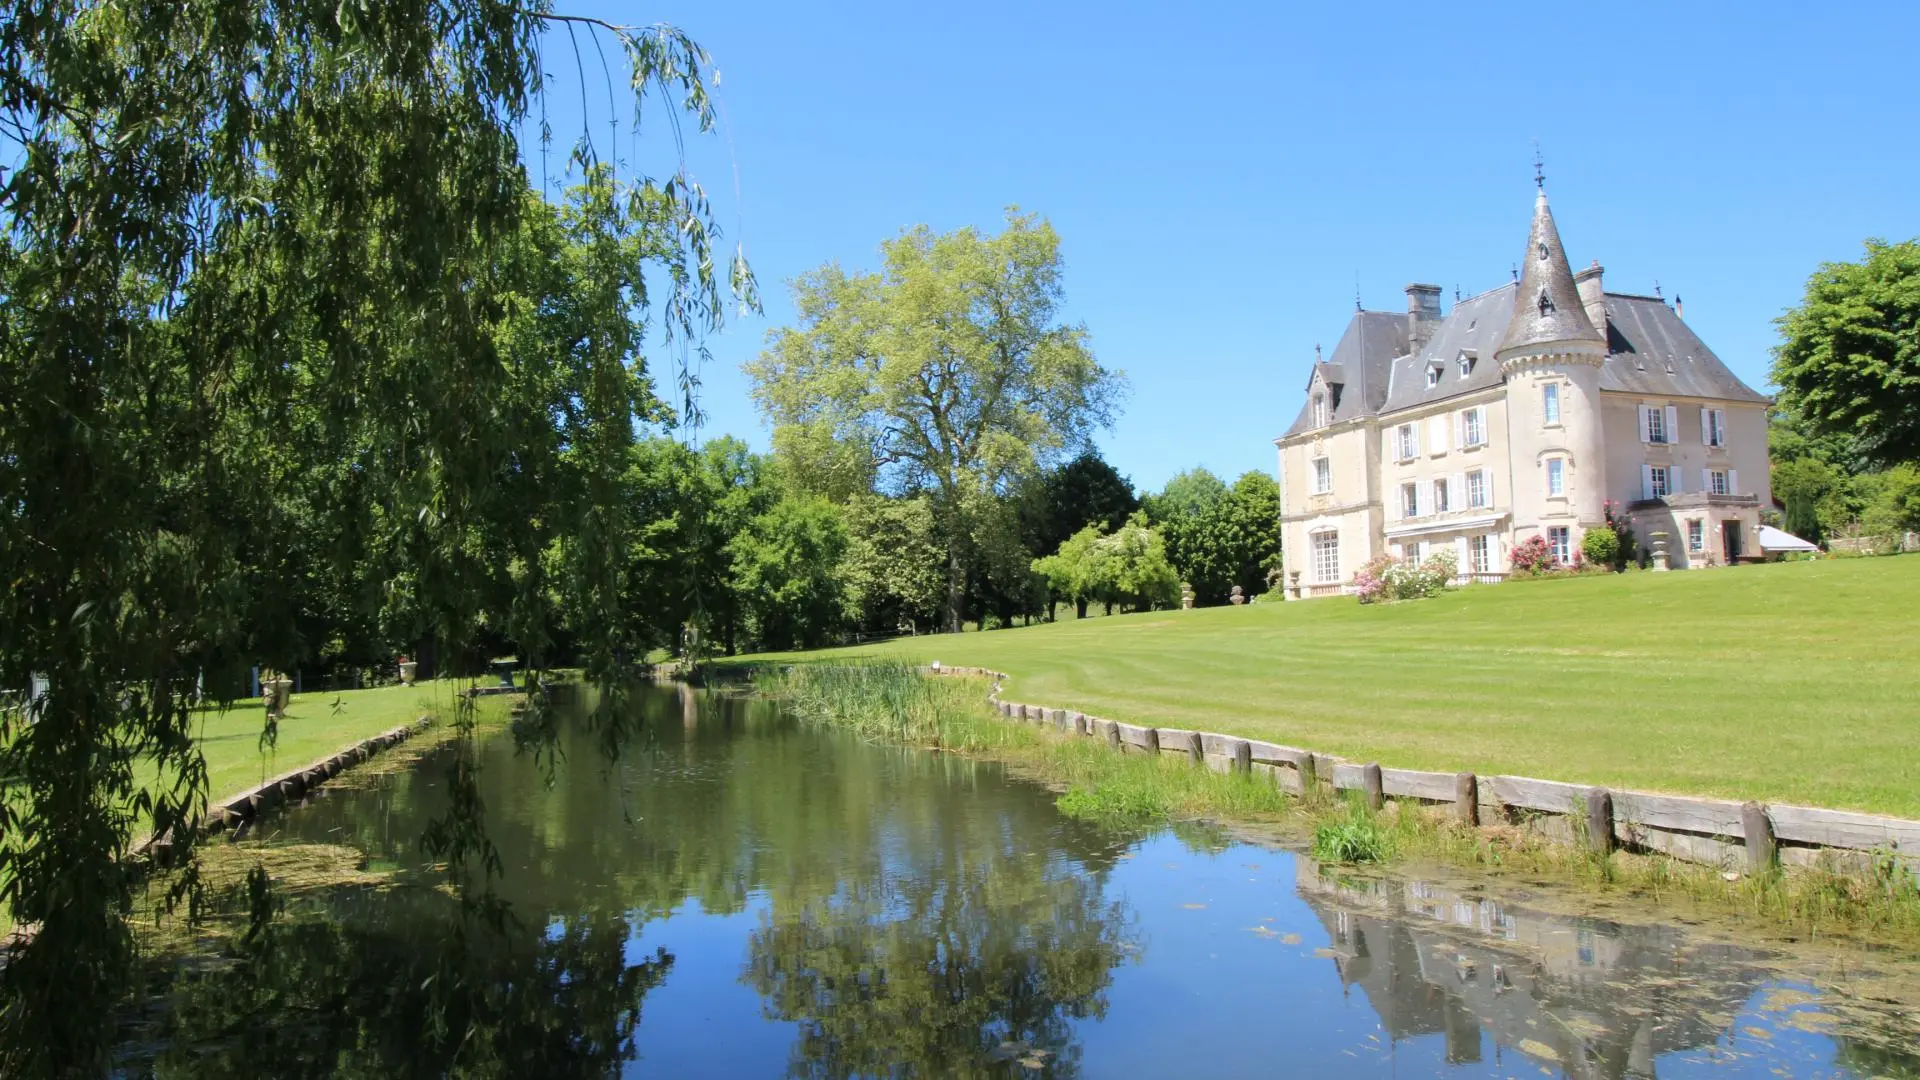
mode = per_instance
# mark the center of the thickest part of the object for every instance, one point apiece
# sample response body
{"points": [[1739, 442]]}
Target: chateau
{"points": [[1521, 412]]}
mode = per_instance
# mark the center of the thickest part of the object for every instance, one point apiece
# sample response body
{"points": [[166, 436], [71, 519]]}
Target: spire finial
{"points": [[1316, 352], [1539, 167], [1356, 292]]}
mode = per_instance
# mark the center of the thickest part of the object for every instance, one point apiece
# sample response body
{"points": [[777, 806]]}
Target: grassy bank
{"points": [[1785, 683], [891, 701]]}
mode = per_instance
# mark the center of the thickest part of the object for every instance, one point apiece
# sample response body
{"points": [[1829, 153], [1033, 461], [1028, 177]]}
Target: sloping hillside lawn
{"points": [[1795, 682]]}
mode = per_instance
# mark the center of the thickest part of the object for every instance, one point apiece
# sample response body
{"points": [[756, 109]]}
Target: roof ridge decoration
{"points": [[1547, 311]]}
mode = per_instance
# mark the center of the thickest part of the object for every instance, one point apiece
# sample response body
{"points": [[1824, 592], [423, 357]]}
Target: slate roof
{"points": [[1360, 361], [1645, 337], [1476, 325], [1547, 308]]}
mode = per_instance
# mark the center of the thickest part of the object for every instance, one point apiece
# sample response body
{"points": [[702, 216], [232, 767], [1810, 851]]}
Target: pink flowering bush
{"points": [[1387, 578], [1532, 555]]}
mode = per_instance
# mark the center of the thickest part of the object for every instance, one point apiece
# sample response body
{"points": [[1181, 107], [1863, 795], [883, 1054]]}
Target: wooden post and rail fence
{"points": [[1723, 833]]}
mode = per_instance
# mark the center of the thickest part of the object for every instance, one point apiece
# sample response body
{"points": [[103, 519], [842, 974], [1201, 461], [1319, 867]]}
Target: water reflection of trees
{"points": [[957, 972], [919, 912], [405, 984]]}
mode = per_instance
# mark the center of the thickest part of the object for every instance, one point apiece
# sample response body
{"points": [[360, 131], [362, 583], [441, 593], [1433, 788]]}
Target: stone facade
{"points": [[1524, 411]]}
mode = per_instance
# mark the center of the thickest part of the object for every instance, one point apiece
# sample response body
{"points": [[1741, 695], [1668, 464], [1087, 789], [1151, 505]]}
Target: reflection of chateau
{"points": [[1593, 998]]}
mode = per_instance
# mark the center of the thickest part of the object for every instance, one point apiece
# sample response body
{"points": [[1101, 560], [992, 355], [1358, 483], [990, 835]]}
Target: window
{"points": [[1409, 442], [1326, 557], [1659, 482], [1653, 423], [1322, 476], [1560, 542], [1466, 364], [1319, 410], [1479, 554], [1409, 500], [1473, 427], [1440, 503], [1433, 375], [1713, 427], [1557, 477], [1477, 489], [1696, 535], [1717, 482], [1550, 404]]}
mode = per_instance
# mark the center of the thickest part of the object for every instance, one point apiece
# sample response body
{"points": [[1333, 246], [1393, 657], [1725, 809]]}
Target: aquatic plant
{"points": [[1353, 837]]}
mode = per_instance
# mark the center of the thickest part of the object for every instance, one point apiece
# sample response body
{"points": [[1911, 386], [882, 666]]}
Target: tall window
{"points": [[1326, 557], [1717, 482], [1409, 500], [1659, 482], [1409, 442], [1480, 554], [1322, 476], [1713, 426], [1550, 403], [1656, 421], [1696, 535], [1477, 489], [1319, 410], [1473, 427], [1440, 502], [1560, 542], [1556, 476]]}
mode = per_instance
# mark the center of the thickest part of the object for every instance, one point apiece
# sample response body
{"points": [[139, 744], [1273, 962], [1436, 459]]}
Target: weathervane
{"points": [[1539, 167]]}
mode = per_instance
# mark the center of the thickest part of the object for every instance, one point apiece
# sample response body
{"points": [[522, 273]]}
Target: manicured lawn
{"points": [[1791, 682], [314, 728]]}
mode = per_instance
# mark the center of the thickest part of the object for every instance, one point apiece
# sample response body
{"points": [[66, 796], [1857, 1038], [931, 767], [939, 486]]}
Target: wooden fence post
{"points": [[1600, 821], [1243, 758], [1466, 798], [1153, 740], [1370, 783], [1307, 778], [1759, 829], [1113, 734], [1196, 752]]}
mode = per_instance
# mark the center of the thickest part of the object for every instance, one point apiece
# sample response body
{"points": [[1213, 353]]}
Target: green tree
{"points": [[1128, 568], [947, 373], [892, 570], [265, 263], [1849, 363], [1061, 501], [1219, 537], [785, 565]]}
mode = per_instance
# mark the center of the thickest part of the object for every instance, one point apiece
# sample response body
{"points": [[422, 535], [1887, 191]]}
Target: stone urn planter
{"points": [[275, 693], [1238, 597], [1660, 551], [409, 670]]}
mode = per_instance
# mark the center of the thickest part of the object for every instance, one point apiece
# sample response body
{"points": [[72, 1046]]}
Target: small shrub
{"points": [[1387, 578], [1600, 546], [1532, 555]]}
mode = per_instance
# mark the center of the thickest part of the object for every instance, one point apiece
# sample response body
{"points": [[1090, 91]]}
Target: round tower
{"points": [[1551, 356]]}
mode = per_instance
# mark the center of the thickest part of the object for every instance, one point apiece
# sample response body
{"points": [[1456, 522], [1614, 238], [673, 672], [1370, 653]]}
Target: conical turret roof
{"points": [[1547, 308]]}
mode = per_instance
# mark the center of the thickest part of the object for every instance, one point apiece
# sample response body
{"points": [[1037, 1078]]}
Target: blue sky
{"points": [[1221, 175]]}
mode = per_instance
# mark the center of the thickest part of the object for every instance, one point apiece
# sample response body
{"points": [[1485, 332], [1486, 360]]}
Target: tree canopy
{"points": [[1219, 536], [1849, 363], [948, 372]]}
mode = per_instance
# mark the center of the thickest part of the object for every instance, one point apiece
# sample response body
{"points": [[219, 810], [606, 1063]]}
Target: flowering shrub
{"points": [[1532, 555], [1387, 578]]}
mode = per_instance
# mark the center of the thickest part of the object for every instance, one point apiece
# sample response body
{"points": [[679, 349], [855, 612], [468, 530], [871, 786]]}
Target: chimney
{"points": [[1423, 314], [1593, 296]]}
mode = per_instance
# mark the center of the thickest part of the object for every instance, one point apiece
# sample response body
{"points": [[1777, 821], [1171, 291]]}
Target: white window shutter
{"points": [[1646, 481], [1733, 481], [1673, 424], [1460, 554], [1706, 426], [1416, 439], [1386, 445], [1486, 481], [1642, 412], [1706, 481], [1457, 491]]}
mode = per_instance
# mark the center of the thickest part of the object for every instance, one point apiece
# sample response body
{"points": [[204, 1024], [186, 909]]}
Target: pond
{"points": [[745, 896]]}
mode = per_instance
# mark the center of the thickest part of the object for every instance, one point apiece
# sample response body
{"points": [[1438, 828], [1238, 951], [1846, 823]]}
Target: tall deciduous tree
{"points": [[948, 372], [1850, 361], [1219, 537]]}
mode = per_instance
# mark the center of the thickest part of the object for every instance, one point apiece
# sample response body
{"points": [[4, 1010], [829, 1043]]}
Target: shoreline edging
{"points": [[1750, 837]]}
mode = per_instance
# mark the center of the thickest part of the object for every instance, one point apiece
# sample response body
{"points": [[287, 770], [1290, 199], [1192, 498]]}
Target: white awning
{"points": [[1772, 539]]}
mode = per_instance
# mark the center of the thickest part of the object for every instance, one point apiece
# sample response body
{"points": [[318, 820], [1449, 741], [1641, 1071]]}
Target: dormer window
{"points": [[1466, 363], [1319, 410], [1545, 303], [1433, 375]]}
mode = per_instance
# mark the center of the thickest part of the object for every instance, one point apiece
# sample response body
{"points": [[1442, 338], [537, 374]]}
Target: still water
{"points": [[742, 896]]}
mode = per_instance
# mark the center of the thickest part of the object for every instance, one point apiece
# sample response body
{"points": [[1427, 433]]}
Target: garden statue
{"points": [[1186, 597], [275, 688], [409, 669]]}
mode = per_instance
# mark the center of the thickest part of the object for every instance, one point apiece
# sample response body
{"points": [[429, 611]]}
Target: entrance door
{"points": [[1730, 537]]}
